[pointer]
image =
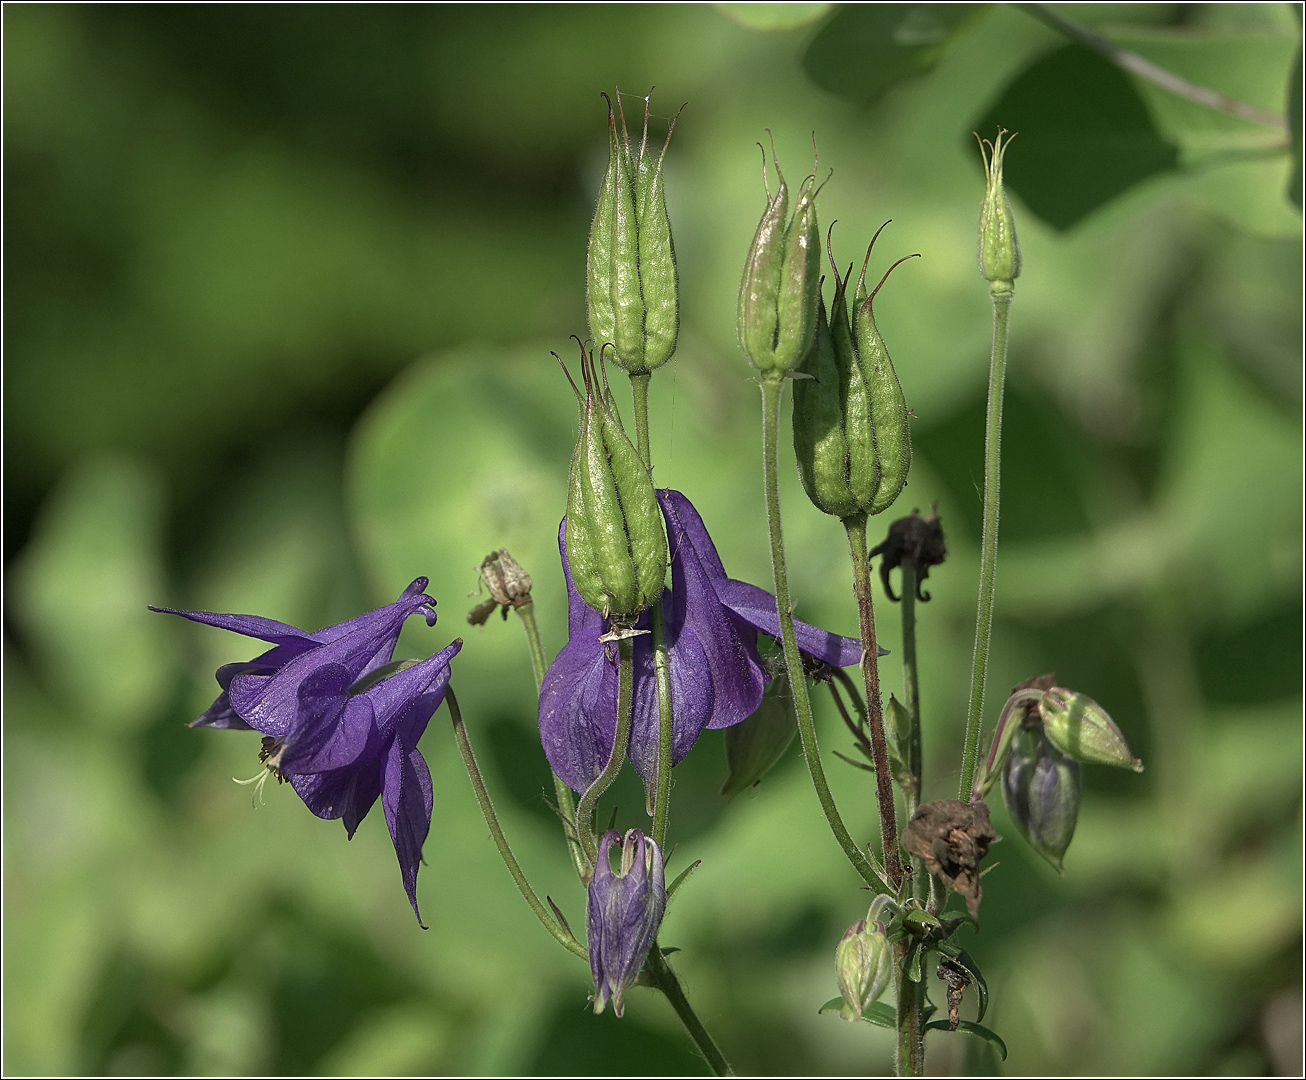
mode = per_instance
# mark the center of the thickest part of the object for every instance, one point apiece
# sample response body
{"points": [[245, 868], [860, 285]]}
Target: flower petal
{"points": [[578, 711], [693, 530], [254, 626], [757, 608], [267, 703], [738, 676], [422, 686], [717, 677], [333, 727], [347, 793], [407, 802], [577, 727]]}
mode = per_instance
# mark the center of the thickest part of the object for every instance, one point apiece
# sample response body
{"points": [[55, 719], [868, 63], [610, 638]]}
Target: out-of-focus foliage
{"points": [[282, 284]]}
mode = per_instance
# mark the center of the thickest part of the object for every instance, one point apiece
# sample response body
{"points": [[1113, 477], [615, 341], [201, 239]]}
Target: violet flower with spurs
{"points": [[340, 719], [717, 675], [623, 914]]}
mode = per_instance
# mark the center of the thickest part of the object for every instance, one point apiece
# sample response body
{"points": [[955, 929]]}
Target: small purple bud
{"points": [[1042, 792], [624, 913]]}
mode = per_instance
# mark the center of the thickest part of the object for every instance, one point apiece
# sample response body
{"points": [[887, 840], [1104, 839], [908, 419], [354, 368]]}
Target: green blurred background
{"points": [[281, 288]]}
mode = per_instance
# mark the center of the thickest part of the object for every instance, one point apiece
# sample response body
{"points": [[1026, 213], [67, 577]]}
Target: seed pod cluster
{"points": [[616, 541], [631, 269], [781, 285], [851, 432]]}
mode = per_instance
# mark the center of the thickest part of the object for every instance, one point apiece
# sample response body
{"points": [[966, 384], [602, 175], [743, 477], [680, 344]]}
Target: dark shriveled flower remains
{"points": [[340, 718]]}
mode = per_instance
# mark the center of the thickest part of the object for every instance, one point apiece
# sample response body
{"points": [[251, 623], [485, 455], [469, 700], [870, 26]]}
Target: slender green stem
{"points": [[771, 388], [856, 528], [585, 811], [911, 687], [566, 804], [538, 664], [662, 783], [1001, 292], [1131, 61], [665, 980], [910, 1059], [845, 680], [639, 390], [551, 924], [660, 809]]}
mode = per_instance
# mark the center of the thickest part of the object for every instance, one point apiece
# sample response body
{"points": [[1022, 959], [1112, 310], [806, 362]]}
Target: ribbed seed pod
{"points": [[616, 540]]}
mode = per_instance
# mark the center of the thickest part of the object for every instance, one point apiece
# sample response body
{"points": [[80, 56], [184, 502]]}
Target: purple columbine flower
{"points": [[623, 914], [340, 720], [717, 675]]}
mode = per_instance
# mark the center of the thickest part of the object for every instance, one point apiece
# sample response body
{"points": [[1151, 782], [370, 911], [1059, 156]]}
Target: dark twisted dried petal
{"points": [[951, 837]]}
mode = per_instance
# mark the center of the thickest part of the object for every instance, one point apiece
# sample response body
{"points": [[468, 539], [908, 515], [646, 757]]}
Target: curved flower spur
{"points": [[340, 718], [717, 675]]}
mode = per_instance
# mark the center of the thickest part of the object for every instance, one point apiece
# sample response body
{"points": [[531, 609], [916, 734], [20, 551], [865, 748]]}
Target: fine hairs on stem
{"points": [[771, 388], [988, 541]]}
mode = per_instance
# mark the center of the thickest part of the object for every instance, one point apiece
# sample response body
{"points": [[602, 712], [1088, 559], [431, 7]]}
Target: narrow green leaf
{"points": [[878, 1012], [684, 874], [962, 958], [972, 1029]]}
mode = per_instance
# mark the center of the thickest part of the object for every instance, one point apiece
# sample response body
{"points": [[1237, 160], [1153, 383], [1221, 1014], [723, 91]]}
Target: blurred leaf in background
{"points": [[283, 282]]}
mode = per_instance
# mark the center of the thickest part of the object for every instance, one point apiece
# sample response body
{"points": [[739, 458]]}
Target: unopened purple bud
{"points": [[1042, 792], [624, 913]]}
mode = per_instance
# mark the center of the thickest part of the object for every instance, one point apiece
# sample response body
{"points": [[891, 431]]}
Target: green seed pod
{"points": [[781, 284], [632, 289], [863, 965], [1078, 726], [820, 403], [616, 541], [851, 438], [999, 250], [754, 746], [1042, 790], [889, 416]]}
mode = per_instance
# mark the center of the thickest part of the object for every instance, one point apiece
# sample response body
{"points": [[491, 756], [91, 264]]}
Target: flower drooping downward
{"points": [[340, 718], [623, 915], [717, 675]]}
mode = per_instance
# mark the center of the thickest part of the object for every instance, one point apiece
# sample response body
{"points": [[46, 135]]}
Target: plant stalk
{"points": [[661, 807], [856, 528], [1130, 61], [588, 801], [1001, 293], [771, 388], [910, 1058], [911, 688], [665, 980], [560, 934], [566, 804]]}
